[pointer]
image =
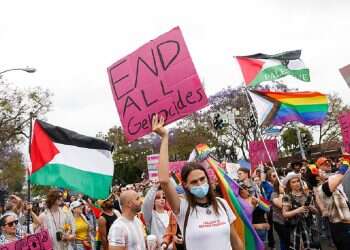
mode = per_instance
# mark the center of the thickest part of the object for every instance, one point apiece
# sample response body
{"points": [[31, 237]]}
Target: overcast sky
{"points": [[71, 43]]}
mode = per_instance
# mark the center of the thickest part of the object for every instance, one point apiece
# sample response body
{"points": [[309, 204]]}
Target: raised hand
{"points": [[158, 126]]}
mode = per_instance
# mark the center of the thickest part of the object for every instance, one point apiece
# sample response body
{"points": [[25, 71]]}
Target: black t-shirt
{"points": [[259, 216], [109, 221]]}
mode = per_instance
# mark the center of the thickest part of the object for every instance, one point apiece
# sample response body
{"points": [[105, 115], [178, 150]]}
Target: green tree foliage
{"points": [[129, 159], [290, 141], [15, 108], [12, 175], [330, 130]]}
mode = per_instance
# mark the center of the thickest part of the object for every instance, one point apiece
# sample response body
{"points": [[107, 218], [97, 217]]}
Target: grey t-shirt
{"points": [[276, 211]]}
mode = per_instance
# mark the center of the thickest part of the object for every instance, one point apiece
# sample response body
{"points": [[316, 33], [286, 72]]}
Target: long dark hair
{"points": [[186, 170], [52, 197]]}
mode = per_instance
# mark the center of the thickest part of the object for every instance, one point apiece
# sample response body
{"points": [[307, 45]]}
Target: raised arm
{"points": [[163, 171], [148, 204]]}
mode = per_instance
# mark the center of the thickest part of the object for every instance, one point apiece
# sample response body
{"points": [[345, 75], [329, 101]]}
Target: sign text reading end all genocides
{"points": [[158, 78]]}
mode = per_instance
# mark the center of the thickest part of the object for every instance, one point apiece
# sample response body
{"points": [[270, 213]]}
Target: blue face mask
{"points": [[200, 191]]}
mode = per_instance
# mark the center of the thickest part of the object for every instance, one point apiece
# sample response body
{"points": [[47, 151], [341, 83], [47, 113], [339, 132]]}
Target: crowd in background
{"points": [[306, 202]]}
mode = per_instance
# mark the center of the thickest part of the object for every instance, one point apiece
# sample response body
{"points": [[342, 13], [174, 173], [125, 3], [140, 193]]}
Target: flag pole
{"points": [[259, 130], [31, 116]]}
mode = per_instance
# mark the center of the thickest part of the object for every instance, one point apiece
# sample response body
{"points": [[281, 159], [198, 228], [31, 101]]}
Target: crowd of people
{"points": [[307, 202]]}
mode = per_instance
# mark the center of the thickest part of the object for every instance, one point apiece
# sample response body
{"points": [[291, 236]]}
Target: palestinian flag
{"points": [[259, 68], [66, 159]]}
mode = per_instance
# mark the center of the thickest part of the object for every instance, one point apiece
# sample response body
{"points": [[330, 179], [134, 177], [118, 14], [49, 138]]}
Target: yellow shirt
{"points": [[82, 229]]}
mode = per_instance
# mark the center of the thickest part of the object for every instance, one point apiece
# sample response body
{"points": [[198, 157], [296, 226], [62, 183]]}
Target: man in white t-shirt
{"points": [[127, 231]]}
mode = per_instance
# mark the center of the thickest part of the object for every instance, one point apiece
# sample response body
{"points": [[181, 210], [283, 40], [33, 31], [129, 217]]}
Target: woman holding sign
{"points": [[206, 222]]}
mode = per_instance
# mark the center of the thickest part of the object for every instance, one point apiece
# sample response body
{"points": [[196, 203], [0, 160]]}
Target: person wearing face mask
{"points": [[127, 232], [206, 222], [108, 216]]}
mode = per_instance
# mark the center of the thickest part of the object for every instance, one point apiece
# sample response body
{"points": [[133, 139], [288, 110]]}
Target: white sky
{"points": [[71, 43]]}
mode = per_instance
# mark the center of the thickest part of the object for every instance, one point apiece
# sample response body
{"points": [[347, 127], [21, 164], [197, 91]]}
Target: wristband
{"points": [[343, 169]]}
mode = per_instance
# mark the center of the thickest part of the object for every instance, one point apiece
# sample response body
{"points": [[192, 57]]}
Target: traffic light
{"points": [[252, 121], [218, 122], [304, 140]]}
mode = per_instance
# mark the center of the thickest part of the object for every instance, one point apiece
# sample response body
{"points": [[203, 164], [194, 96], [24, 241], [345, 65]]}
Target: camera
{"points": [[59, 236]]}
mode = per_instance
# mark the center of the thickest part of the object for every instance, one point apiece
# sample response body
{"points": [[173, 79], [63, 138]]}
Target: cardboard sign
{"points": [[344, 122], [158, 78], [38, 241], [152, 166], [258, 154]]}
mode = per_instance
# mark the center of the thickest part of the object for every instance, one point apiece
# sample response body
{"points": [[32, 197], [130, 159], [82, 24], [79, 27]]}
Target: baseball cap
{"points": [[321, 161], [75, 204]]}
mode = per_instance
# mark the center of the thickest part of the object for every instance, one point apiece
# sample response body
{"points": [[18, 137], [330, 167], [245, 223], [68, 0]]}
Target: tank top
{"points": [[109, 220]]}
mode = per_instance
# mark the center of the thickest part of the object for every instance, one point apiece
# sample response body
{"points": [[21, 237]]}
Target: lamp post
{"points": [[31, 118], [27, 69]]}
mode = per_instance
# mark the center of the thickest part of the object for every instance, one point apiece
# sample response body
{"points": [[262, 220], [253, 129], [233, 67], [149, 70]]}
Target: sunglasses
{"points": [[12, 223], [160, 197]]}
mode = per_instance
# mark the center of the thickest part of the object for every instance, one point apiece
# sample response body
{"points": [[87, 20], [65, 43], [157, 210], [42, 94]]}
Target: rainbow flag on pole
{"points": [[230, 190], [309, 108]]}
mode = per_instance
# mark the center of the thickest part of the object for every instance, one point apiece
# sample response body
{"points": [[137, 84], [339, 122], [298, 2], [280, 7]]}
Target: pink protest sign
{"points": [[176, 166], [38, 241], [258, 154], [158, 78], [344, 122]]}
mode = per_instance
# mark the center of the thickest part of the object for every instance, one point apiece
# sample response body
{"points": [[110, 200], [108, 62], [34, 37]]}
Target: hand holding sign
{"points": [[158, 78]]}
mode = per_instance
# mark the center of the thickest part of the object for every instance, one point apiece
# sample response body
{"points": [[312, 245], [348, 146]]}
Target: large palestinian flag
{"points": [[66, 159], [260, 67]]}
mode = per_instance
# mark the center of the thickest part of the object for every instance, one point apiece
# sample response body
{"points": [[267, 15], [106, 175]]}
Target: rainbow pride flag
{"points": [[230, 190], [309, 108]]}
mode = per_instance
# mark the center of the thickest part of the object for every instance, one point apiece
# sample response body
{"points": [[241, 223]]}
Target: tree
{"points": [[330, 130], [129, 159], [12, 175], [15, 108], [290, 141]]}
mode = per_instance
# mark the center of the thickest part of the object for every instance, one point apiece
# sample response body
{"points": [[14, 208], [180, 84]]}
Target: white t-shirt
{"points": [[207, 231], [127, 233], [164, 217]]}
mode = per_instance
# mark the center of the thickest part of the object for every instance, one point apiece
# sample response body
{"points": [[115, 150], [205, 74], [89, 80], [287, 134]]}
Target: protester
{"points": [[127, 231], [259, 219], [82, 228], [91, 218], [59, 224], [296, 208], [246, 195], [266, 189], [9, 232], [108, 216], [277, 217], [336, 206], [202, 217], [116, 204], [156, 217]]}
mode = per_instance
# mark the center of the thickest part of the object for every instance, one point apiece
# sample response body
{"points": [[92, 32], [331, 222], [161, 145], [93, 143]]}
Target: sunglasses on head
{"points": [[11, 223]]}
